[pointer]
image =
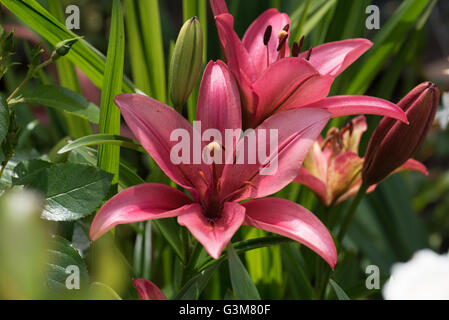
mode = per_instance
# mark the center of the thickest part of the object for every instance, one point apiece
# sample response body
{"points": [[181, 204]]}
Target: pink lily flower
{"points": [[271, 81], [147, 290], [214, 213], [333, 168]]}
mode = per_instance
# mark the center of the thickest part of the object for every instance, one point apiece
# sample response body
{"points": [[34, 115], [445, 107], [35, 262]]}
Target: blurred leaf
{"points": [[65, 100], [316, 18], [193, 288], [140, 70], [82, 54], [109, 156], [265, 266], [78, 127], [338, 290], [154, 47], [298, 277], [99, 139], [171, 232], [72, 191], [100, 291], [386, 42], [61, 255], [242, 285]]}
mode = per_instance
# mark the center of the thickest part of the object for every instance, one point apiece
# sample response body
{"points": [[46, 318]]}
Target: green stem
{"points": [[31, 71], [347, 220], [4, 163], [322, 285]]}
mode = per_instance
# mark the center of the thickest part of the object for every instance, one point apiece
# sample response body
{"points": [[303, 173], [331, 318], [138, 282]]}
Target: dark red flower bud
{"points": [[394, 142]]}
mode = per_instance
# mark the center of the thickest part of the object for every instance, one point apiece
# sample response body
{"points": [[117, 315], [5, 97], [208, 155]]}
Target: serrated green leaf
{"points": [[65, 100], [72, 191], [27, 171], [242, 285]]}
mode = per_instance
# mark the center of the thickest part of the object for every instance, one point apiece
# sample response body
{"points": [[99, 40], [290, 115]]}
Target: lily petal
{"points": [[218, 7], [281, 82], [340, 106], [351, 138], [153, 123], [333, 58], [147, 290], [289, 219], [214, 235], [236, 55], [219, 99], [253, 39], [139, 203], [313, 183], [412, 165], [299, 129], [344, 171]]}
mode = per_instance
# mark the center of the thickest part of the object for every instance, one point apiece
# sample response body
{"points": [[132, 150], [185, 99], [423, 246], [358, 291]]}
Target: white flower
{"points": [[424, 277]]}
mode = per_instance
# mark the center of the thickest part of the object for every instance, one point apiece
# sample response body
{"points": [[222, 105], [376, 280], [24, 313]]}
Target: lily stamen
{"points": [[309, 53], [266, 40]]}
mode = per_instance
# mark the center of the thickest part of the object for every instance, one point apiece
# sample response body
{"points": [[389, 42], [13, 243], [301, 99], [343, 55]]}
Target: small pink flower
{"points": [[333, 167], [213, 212], [147, 290], [271, 81]]}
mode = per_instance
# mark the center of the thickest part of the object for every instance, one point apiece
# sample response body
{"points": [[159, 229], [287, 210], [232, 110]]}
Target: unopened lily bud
{"points": [[185, 65], [394, 142], [63, 47]]}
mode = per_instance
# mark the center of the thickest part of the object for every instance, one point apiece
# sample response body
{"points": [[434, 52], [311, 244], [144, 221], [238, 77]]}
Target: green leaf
{"points": [[386, 42], [246, 245], [68, 78], [193, 288], [99, 139], [100, 291], [171, 232], [82, 54], [154, 47], [139, 68], [4, 119], [242, 285], [341, 295], [65, 100], [25, 172], [60, 256], [109, 156], [72, 191], [316, 18]]}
